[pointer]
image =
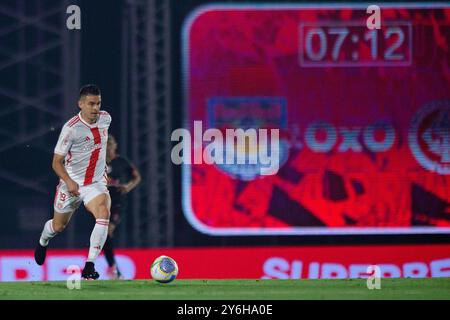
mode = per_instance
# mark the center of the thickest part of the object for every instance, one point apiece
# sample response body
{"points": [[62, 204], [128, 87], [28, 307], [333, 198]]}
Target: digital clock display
{"points": [[364, 118], [353, 44]]}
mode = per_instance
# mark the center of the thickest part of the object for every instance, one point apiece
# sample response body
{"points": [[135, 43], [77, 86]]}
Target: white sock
{"points": [[47, 233], [98, 238]]}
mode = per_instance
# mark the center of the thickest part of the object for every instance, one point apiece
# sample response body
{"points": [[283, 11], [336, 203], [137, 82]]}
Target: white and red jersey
{"points": [[84, 148]]}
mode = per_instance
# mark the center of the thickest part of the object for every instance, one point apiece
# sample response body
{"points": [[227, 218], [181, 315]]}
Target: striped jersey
{"points": [[84, 148]]}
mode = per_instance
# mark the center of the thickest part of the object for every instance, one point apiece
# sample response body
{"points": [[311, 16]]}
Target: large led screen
{"points": [[362, 113]]}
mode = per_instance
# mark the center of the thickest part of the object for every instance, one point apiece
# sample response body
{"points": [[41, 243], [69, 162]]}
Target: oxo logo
{"points": [[324, 137]]}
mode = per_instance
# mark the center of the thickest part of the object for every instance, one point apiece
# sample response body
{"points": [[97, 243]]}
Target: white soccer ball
{"points": [[164, 269]]}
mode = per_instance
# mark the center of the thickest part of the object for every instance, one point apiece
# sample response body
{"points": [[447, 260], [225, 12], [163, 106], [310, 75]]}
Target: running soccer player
{"points": [[80, 161], [123, 177]]}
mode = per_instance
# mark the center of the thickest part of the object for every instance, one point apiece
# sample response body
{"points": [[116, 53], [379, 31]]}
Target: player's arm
{"points": [[60, 170], [135, 180], [63, 146]]}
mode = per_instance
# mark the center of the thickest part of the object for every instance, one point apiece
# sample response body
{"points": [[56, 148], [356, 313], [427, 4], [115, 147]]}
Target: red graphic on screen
{"points": [[356, 101]]}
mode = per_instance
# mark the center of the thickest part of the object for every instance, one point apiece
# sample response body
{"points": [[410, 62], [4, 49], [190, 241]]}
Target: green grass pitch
{"points": [[353, 289]]}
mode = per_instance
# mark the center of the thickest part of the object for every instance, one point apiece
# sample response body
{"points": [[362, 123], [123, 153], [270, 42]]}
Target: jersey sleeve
{"points": [[107, 117], [65, 141]]}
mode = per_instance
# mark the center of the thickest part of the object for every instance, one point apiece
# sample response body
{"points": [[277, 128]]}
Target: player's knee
{"points": [[103, 212]]}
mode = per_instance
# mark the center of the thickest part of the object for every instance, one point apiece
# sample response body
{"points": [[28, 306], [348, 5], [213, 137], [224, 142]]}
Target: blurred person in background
{"points": [[123, 177]]}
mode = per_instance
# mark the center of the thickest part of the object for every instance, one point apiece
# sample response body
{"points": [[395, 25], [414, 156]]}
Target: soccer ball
{"points": [[164, 269]]}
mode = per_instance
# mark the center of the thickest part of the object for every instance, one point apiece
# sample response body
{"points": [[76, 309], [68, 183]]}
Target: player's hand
{"points": [[124, 189], [112, 182], [73, 187]]}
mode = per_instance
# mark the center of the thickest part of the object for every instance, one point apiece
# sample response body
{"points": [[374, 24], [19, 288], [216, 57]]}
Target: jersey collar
{"points": [[87, 123]]}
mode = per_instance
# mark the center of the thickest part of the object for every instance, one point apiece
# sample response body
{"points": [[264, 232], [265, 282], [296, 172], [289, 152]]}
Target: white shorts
{"points": [[66, 203]]}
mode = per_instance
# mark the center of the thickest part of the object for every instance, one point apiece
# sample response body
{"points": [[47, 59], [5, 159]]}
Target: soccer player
{"points": [[79, 160], [123, 177]]}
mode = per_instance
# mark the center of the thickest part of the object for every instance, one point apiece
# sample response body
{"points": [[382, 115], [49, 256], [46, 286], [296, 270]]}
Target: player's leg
{"points": [[98, 202], [54, 226], [108, 248], [51, 228], [64, 206], [100, 208]]}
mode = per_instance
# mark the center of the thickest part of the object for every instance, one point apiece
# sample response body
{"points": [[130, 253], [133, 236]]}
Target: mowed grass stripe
{"points": [[353, 289]]}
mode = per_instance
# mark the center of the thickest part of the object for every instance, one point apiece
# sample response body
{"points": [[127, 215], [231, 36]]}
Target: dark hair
{"points": [[89, 89]]}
